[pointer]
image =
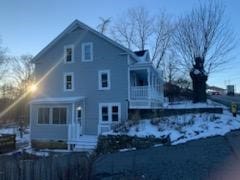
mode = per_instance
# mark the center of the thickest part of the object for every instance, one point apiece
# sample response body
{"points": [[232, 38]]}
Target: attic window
{"points": [[87, 52], [68, 53]]}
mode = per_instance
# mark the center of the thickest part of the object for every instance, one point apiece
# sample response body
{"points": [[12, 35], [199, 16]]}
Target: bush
{"points": [[155, 121], [113, 143]]}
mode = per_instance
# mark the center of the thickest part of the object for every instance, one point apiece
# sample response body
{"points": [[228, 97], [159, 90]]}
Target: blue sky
{"points": [[26, 26]]}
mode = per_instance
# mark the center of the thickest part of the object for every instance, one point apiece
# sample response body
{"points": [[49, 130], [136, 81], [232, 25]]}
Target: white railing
{"points": [[139, 92], [144, 92], [73, 132]]}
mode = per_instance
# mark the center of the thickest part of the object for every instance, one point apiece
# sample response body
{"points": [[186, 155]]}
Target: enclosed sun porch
{"points": [[146, 87]]}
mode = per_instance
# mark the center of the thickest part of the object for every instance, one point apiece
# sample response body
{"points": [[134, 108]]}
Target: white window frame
{"points": [[65, 54], [109, 105], [51, 115], [65, 81], [83, 52], [100, 72]]}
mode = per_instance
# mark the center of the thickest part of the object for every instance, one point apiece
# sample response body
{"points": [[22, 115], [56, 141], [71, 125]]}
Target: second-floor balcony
{"points": [[145, 87]]}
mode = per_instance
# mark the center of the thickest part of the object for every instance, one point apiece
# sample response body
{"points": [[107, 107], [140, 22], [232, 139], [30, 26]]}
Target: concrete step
{"points": [[84, 143]]}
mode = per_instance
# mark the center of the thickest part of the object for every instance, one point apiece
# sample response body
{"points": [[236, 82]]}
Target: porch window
{"points": [[59, 115], [43, 116], [87, 52], [104, 80], [68, 82], [68, 53]]}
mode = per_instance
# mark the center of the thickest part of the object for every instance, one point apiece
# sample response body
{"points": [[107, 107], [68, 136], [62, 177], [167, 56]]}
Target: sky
{"points": [[27, 26]]}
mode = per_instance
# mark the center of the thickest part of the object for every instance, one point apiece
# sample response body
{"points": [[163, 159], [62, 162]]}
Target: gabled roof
{"points": [[140, 53], [143, 56], [76, 23]]}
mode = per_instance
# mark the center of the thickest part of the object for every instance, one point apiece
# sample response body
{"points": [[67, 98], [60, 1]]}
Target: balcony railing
{"points": [[144, 92]]}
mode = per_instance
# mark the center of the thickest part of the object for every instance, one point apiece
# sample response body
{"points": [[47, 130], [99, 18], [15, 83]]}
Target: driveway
{"points": [[209, 158]]}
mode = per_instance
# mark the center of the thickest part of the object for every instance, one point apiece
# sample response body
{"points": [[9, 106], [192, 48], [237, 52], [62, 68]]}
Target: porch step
{"points": [[84, 143]]}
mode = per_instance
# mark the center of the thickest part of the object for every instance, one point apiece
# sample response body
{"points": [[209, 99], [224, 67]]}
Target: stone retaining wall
{"points": [[134, 114]]}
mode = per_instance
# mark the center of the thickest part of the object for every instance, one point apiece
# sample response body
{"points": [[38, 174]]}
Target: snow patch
{"points": [[183, 128]]}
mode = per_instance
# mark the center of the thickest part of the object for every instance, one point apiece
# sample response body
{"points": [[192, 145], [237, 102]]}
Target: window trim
{"points": [[51, 114], [83, 52], [100, 72], [109, 105], [65, 81], [65, 54]]}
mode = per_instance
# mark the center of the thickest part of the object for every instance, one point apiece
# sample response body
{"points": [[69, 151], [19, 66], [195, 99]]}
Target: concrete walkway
{"points": [[211, 158]]}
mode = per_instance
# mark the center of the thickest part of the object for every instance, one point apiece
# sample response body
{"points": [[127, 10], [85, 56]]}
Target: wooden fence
{"points": [[7, 143], [70, 166]]}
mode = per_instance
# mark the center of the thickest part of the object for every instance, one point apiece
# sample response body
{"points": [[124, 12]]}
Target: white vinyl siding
{"points": [[87, 52]]}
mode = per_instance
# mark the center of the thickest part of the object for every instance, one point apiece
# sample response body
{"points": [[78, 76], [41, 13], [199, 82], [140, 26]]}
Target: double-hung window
{"points": [[115, 113], [104, 80], [59, 115], [68, 53], [44, 115], [87, 52], [104, 112], [109, 112], [52, 115], [68, 82]]}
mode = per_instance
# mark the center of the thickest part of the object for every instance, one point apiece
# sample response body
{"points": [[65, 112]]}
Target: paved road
{"points": [[226, 100], [209, 158]]}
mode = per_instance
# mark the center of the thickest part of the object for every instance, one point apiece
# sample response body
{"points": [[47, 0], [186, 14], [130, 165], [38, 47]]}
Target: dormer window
{"points": [[87, 52], [68, 53]]}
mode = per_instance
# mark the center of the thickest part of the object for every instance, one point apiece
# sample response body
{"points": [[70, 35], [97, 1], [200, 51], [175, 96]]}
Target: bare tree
{"points": [[22, 72], [3, 61], [102, 27], [171, 67], [163, 29], [124, 30], [137, 29], [204, 33], [143, 26], [7, 91]]}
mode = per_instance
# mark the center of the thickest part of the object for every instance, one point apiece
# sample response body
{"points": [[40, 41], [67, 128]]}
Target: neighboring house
{"points": [[86, 84], [214, 90]]}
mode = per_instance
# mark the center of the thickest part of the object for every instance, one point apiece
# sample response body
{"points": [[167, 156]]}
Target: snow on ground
{"points": [[183, 128]]}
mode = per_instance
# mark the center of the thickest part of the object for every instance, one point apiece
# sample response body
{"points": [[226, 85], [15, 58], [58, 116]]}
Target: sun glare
{"points": [[33, 88]]}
